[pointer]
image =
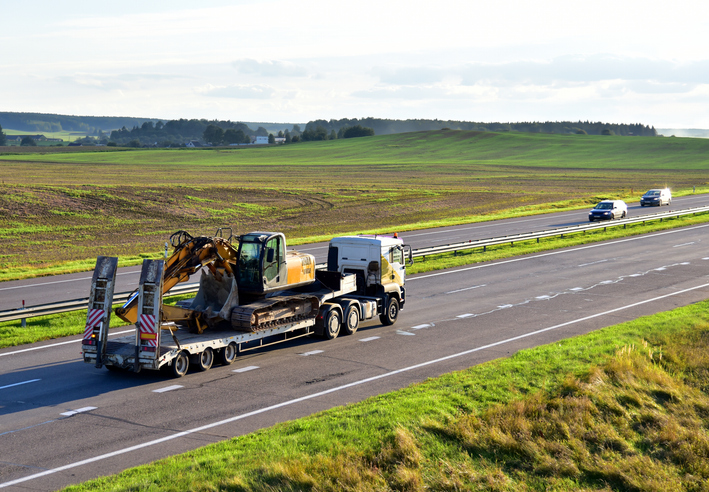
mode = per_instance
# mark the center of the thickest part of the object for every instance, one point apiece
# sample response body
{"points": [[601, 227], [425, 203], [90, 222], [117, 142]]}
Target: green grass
{"points": [[623, 408]]}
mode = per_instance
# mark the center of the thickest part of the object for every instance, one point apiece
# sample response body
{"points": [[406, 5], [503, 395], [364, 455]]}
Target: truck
{"points": [[251, 294]]}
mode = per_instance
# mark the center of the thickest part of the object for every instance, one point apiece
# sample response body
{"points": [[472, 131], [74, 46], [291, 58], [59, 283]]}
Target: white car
{"points": [[657, 197], [608, 210]]}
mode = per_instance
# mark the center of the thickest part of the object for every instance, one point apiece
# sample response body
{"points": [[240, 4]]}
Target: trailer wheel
{"points": [[332, 324], [389, 316], [351, 321], [227, 355], [180, 365], [205, 359]]}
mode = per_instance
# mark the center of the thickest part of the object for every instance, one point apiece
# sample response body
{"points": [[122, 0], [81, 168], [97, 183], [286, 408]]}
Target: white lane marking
{"points": [[62, 281], [467, 288], [418, 327], [592, 263], [110, 334], [78, 410], [684, 263], [660, 269], [606, 282], [368, 339], [336, 389], [245, 369], [543, 297], [557, 252], [576, 288], [707, 258], [312, 352], [28, 427], [168, 388], [18, 384], [466, 315], [684, 244], [402, 332], [504, 306]]}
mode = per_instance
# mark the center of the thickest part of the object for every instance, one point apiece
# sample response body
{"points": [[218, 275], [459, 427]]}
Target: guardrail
{"points": [[78, 304], [561, 231]]}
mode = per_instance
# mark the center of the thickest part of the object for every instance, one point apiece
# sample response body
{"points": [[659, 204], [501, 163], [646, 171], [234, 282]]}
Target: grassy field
{"points": [[59, 210], [623, 408]]}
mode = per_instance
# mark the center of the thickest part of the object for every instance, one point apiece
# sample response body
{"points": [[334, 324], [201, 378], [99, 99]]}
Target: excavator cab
{"points": [[264, 266]]}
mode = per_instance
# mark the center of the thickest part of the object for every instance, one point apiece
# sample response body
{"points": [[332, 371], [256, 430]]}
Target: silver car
{"points": [[657, 197]]}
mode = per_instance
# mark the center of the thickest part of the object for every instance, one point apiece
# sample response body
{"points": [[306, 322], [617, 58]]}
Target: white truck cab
{"points": [[378, 261]]}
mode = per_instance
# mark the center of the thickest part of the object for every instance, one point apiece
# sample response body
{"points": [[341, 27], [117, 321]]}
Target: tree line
{"points": [[382, 126]]}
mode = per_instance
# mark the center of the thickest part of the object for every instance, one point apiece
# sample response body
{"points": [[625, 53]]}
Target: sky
{"points": [[621, 61]]}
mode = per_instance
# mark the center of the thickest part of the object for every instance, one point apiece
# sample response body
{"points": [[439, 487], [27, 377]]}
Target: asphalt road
{"points": [[63, 421], [77, 286]]}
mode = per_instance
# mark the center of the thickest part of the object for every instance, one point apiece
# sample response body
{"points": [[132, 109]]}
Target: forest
{"points": [[140, 132]]}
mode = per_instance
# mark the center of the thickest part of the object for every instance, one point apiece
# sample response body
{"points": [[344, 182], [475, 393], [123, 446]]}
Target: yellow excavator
{"points": [[239, 286]]}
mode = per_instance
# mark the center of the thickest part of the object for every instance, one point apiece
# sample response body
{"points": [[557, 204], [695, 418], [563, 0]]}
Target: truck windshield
{"points": [[248, 269]]}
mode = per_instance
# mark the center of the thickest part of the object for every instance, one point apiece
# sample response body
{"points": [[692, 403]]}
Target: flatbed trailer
{"points": [[174, 348]]}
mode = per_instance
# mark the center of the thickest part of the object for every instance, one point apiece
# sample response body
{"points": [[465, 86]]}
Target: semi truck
{"points": [[251, 294]]}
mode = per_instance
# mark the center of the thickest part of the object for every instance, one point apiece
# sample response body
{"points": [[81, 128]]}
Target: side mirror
{"points": [[270, 254]]}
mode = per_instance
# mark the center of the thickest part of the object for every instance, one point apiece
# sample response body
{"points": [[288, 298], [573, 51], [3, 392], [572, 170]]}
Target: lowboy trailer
{"points": [[364, 280]]}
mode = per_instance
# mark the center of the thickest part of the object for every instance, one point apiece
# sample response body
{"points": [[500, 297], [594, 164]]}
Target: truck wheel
{"points": [[332, 324], [389, 316], [205, 359], [227, 355], [351, 321], [180, 365]]}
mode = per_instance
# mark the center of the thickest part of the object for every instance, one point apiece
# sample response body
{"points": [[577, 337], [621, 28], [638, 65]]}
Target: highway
{"points": [[63, 421], [76, 286]]}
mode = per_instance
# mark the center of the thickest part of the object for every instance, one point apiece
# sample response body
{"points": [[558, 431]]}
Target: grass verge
{"points": [[622, 408]]}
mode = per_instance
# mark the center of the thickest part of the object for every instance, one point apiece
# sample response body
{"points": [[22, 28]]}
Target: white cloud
{"points": [[239, 91]]}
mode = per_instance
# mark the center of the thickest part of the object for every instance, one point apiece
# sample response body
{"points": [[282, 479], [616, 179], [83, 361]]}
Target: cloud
{"points": [[239, 91], [269, 68], [569, 69]]}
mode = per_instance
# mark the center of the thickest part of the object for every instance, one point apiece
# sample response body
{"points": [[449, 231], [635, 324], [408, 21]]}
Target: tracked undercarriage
{"points": [[273, 312]]}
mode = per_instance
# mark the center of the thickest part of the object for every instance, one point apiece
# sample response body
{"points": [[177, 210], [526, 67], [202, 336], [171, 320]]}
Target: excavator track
{"points": [[273, 312]]}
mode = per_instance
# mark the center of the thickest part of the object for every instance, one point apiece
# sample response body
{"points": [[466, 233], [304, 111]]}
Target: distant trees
{"points": [[28, 142], [175, 133], [385, 126], [271, 138], [3, 138], [213, 135], [356, 131], [233, 136]]}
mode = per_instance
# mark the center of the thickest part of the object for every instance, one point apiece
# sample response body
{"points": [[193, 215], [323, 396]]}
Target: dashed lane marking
{"points": [[168, 388], [20, 383], [78, 410]]}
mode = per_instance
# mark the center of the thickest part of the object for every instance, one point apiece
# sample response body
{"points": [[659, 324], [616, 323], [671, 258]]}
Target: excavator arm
{"points": [[189, 256]]}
